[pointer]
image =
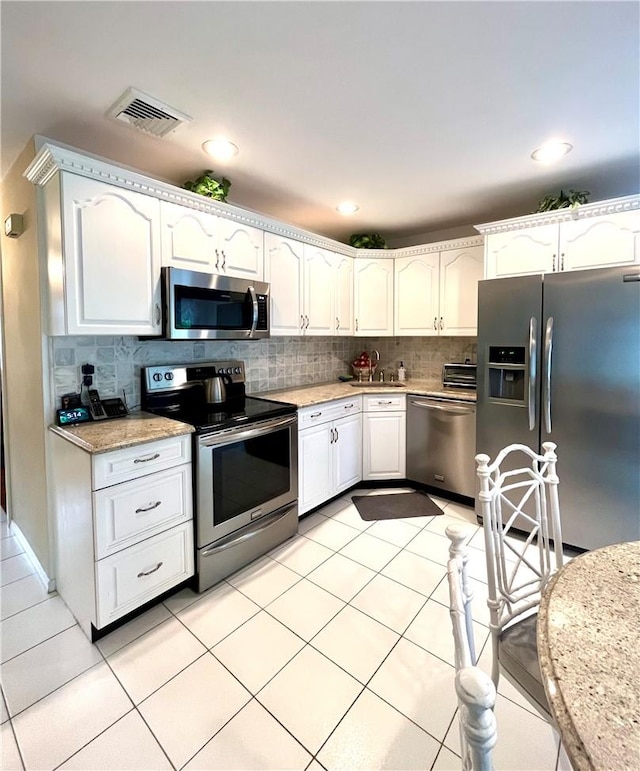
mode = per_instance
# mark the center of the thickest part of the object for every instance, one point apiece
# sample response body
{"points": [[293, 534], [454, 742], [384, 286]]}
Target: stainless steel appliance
{"points": [[246, 464], [441, 437], [458, 375], [559, 360], [204, 306]]}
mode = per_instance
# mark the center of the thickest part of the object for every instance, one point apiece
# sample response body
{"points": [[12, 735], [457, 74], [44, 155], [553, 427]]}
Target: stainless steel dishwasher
{"points": [[441, 443]]}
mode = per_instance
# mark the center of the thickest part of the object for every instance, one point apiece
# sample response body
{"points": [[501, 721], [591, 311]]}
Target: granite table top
{"points": [[304, 396], [136, 428], [588, 628]]}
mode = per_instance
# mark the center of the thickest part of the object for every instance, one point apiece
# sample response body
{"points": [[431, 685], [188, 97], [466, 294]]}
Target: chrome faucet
{"points": [[371, 363]]}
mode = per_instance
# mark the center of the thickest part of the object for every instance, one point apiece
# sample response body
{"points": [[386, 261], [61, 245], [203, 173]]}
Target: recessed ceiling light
{"points": [[221, 149], [551, 151], [347, 207]]}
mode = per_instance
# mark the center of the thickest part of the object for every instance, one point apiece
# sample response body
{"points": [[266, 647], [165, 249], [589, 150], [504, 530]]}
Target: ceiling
{"points": [[425, 113]]}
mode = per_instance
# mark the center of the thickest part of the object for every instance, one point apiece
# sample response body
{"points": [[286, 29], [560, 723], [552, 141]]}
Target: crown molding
{"points": [[585, 211], [53, 158]]}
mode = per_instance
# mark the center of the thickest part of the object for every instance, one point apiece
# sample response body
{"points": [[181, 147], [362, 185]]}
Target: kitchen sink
{"points": [[377, 384]]}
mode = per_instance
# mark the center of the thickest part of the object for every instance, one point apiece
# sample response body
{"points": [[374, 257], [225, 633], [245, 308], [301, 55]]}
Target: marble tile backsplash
{"points": [[279, 362]]}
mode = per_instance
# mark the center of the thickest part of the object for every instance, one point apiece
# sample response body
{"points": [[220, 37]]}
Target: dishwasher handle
{"points": [[450, 407]]}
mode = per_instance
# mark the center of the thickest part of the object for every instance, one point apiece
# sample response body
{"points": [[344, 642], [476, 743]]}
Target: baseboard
{"points": [[48, 583]]}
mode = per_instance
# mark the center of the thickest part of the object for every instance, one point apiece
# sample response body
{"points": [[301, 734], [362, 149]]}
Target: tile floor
{"points": [[333, 651]]}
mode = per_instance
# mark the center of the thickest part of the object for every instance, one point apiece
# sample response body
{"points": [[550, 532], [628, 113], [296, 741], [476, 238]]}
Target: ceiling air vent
{"points": [[147, 114]]}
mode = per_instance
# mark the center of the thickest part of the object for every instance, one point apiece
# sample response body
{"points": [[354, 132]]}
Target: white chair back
{"points": [[524, 498], [514, 496], [474, 688]]}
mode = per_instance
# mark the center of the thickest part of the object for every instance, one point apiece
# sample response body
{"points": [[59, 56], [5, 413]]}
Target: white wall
{"points": [[26, 354]]}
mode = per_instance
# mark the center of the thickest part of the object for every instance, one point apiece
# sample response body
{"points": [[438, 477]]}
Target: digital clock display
{"points": [[71, 416]]}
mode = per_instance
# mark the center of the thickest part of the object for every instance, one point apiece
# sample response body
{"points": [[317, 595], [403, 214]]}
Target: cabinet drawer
{"points": [[136, 575], [328, 411], [111, 468], [131, 511], [384, 403]]}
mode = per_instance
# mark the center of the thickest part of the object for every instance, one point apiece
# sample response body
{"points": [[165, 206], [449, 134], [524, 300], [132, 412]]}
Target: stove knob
{"points": [[157, 376], [168, 375]]}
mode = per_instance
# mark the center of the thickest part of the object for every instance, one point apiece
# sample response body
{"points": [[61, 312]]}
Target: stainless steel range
{"points": [[246, 462]]}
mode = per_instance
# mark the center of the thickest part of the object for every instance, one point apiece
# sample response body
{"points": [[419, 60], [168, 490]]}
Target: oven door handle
{"points": [[249, 532], [226, 436], [254, 303]]}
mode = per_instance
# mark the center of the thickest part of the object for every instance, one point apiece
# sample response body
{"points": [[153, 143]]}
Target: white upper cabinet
{"points": [[437, 293], [241, 250], [373, 297], [285, 273], [201, 241], [319, 291], [460, 271], [344, 294], [105, 279], [593, 236], [311, 288], [522, 251], [600, 241], [417, 295], [189, 238]]}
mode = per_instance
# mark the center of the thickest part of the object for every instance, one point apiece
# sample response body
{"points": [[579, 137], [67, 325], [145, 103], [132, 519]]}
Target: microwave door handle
{"points": [[254, 303], [533, 371]]}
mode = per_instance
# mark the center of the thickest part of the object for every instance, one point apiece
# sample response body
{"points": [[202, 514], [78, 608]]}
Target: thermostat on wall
{"points": [[14, 226]]}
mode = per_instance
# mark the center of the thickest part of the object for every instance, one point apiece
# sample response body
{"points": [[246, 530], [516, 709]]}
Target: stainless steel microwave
{"points": [[203, 306]]}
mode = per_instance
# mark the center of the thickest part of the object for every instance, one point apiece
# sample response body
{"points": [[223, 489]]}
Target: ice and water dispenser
{"points": [[507, 372]]}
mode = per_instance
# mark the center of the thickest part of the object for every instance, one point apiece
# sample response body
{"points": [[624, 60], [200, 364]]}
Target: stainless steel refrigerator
{"points": [[559, 360]]}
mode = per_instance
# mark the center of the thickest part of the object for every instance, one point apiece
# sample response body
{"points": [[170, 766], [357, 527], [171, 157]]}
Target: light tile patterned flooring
{"points": [[333, 651]]}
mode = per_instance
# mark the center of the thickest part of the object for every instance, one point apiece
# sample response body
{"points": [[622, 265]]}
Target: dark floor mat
{"points": [[395, 506]]}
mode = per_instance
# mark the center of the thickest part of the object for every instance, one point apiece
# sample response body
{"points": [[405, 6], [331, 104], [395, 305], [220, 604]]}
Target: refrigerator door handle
{"points": [[546, 383], [533, 359]]}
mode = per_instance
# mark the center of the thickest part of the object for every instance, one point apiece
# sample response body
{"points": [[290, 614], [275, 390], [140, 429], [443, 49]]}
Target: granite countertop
{"points": [[588, 625], [304, 396], [137, 428]]}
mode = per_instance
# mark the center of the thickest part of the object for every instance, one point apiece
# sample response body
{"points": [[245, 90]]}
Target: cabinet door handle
{"points": [[331, 440], [562, 261], [553, 263], [301, 322], [217, 259], [155, 456], [337, 434], [307, 322], [435, 322], [150, 507], [388, 401], [158, 312], [441, 323], [224, 260], [143, 573], [348, 406], [337, 324], [315, 414], [356, 325]]}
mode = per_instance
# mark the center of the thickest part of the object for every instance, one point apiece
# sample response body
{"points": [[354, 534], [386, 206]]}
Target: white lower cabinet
{"points": [[384, 437], [329, 450], [124, 526]]}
